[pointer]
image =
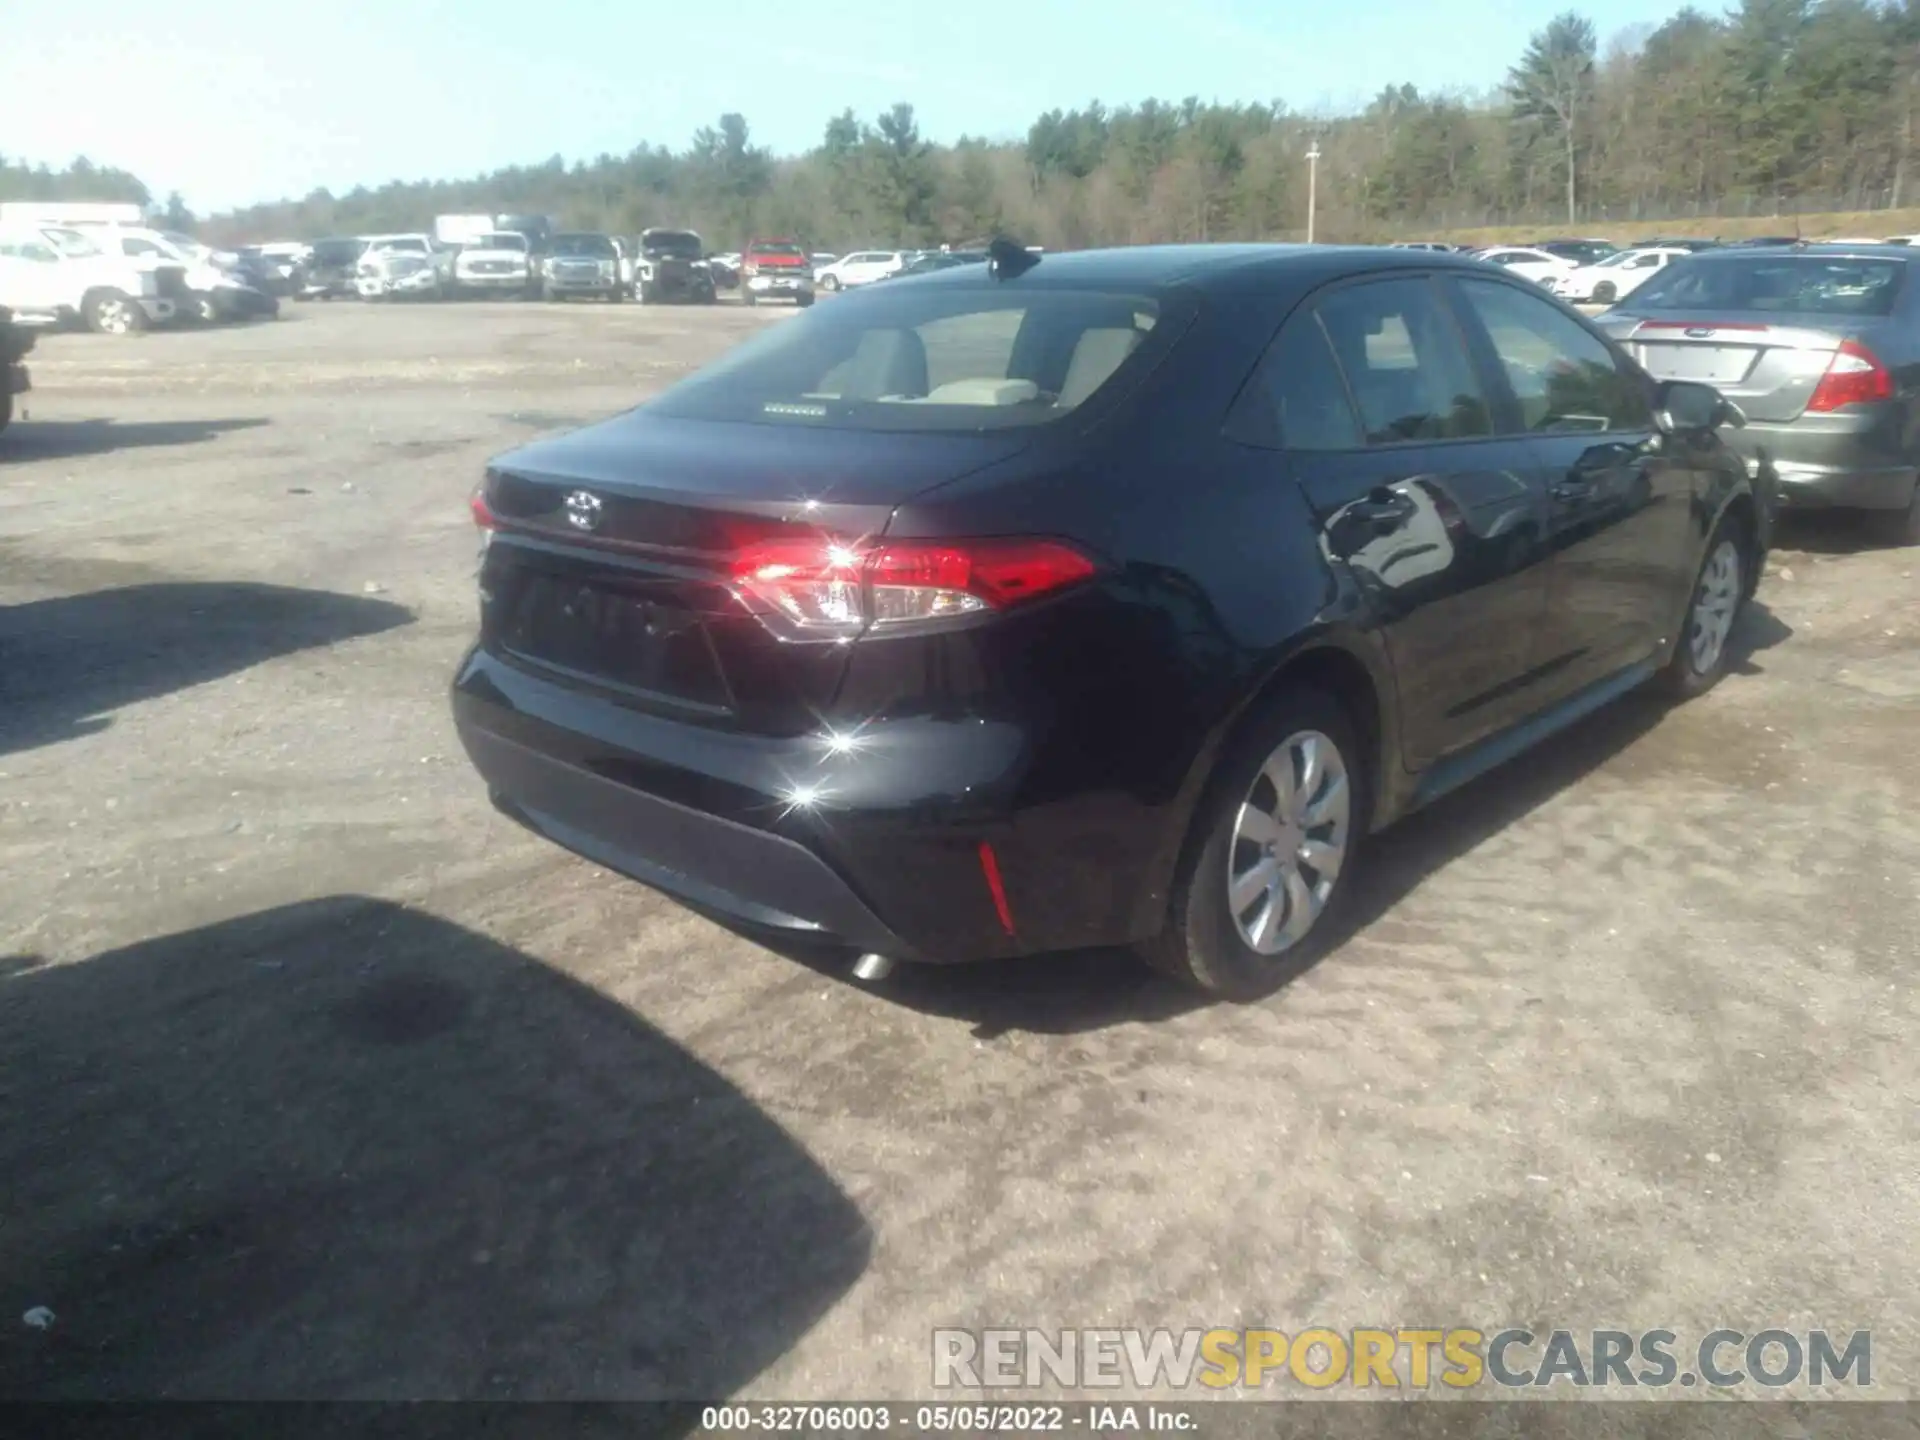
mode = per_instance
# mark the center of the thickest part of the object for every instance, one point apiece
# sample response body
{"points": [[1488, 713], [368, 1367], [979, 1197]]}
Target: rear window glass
{"points": [[1800, 284], [931, 359], [776, 247], [336, 252], [676, 243]]}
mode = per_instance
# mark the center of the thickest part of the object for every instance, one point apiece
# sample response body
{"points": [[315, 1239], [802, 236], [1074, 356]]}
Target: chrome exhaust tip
{"points": [[871, 967]]}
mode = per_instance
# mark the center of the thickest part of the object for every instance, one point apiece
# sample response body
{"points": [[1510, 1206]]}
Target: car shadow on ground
{"points": [[1077, 991], [67, 439], [345, 1150], [66, 662], [1832, 532]]}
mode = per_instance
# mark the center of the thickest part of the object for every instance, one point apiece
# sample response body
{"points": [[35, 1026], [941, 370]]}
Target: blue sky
{"points": [[230, 102]]}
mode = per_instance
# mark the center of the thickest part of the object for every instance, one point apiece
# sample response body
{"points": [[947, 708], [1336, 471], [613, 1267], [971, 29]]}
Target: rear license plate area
{"points": [[1711, 364], [621, 637]]}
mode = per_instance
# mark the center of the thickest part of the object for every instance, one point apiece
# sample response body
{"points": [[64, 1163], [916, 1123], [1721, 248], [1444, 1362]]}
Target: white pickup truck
{"points": [[55, 274]]}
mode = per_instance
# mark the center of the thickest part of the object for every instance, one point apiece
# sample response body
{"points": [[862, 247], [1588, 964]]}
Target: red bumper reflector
{"points": [[990, 867]]}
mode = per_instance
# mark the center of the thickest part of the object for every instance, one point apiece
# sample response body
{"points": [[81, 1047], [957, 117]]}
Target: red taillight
{"points": [[483, 516], [831, 588], [1856, 377]]}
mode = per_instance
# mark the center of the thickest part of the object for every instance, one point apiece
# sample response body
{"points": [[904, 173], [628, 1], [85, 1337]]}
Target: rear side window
{"points": [[1297, 399], [1405, 363], [1563, 377], [1796, 284]]}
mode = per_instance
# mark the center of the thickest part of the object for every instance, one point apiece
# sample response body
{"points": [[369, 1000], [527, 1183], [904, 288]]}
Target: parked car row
{"points": [[660, 265]]}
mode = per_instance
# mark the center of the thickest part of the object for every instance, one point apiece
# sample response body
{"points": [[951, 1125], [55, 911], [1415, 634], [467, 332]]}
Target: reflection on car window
{"points": [[1563, 377], [1404, 362]]}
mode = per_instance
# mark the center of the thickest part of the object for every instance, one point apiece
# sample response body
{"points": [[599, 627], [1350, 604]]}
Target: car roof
{"points": [[1218, 266]]}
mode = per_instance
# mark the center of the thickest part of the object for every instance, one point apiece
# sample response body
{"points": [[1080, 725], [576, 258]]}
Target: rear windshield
{"points": [[939, 359], [1800, 284], [775, 247], [673, 242], [500, 241], [598, 246], [337, 252]]}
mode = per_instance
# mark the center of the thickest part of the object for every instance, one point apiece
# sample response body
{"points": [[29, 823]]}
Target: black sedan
{"points": [[1101, 598]]}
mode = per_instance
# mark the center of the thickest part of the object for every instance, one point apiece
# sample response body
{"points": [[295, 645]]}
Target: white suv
{"points": [[862, 267]]}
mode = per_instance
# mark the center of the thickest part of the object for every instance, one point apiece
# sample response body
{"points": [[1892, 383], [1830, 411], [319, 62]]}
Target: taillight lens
{"points": [[483, 515], [1856, 377], [834, 589]]}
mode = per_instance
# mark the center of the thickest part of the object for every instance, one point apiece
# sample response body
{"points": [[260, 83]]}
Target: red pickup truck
{"points": [[776, 270]]}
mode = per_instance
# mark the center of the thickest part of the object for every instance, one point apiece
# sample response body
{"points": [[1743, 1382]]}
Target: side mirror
{"points": [[1682, 406]]}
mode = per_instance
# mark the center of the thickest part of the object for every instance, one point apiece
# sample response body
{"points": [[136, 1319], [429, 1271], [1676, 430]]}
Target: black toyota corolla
{"points": [[1100, 598]]}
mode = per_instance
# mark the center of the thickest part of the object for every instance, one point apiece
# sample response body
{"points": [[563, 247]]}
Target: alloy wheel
{"points": [[1714, 606], [1290, 839], [114, 317]]}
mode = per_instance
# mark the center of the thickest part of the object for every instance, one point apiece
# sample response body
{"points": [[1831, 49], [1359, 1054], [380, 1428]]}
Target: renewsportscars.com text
{"points": [[1458, 1358]]}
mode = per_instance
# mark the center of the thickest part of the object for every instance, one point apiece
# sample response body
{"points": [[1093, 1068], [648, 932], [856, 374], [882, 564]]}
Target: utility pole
{"points": [[1313, 183]]}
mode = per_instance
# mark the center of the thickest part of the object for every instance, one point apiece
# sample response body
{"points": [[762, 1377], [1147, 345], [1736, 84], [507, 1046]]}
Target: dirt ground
{"points": [[318, 1079]]}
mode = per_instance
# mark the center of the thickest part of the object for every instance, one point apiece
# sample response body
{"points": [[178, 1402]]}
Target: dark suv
{"points": [[670, 266], [1106, 598]]}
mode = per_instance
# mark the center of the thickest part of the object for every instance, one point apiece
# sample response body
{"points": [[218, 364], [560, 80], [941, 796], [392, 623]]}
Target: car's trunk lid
{"points": [[612, 562], [1767, 363]]}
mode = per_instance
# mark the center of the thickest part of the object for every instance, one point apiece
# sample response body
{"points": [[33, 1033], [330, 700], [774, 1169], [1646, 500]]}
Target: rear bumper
{"points": [[778, 285], [1852, 461], [491, 282], [879, 848]]}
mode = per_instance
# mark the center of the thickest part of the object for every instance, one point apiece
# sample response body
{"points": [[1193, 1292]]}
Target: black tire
{"points": [[1202, 944], [1604, 293], [1694, 669], [6, 409], [617, 295], [1902, 527], [645, 293], [749, 297], [803, 300], [829, 283], [113, 312]]}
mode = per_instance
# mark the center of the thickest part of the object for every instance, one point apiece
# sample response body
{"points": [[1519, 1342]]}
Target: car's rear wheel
{"points": [[1604, 293], [829, 282], [803, 300], [1719, 592], [749, 297], [1259, 894]]}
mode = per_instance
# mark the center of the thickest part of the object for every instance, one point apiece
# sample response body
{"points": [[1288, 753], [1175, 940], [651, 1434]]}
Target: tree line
{"points": [[1775, 107]]}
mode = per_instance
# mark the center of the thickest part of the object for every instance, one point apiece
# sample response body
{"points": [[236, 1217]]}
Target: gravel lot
{"points": [[321, 1080]]}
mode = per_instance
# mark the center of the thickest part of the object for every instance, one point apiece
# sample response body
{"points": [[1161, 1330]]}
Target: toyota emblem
{"points": [[583, 510], [1699, 332]]}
